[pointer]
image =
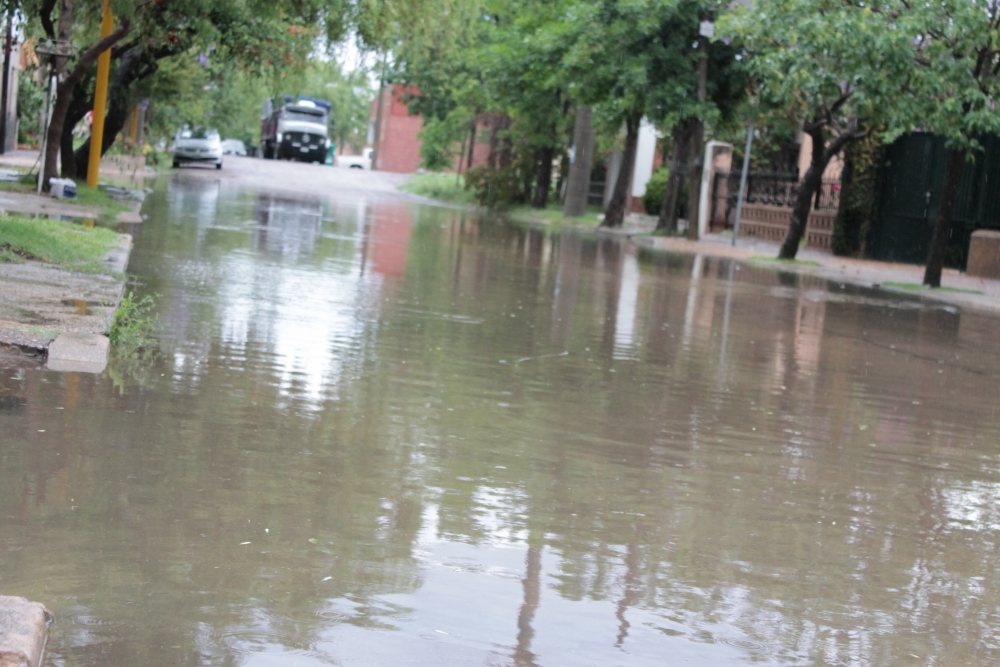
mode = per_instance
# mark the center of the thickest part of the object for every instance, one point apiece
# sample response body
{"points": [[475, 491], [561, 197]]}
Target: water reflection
{"points": [[384, 433]]}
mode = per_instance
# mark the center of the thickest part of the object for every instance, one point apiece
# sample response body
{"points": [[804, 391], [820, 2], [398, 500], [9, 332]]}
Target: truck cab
{"points": [[296, 130]]}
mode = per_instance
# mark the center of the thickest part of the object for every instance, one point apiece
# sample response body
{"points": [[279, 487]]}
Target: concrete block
{"points": [[23, 629], [79, 352], [984, 254]]}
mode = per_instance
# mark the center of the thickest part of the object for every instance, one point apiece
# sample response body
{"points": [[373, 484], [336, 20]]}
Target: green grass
{"points": [[914, 287], [108, 205], [133, 322], [681, 234], [553, 215], [55, 242], [443, 187], [791, 262], [451, 189]]}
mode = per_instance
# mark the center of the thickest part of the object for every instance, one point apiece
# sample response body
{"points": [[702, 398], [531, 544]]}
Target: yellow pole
{"points": [[100, 101], [133, 126]]}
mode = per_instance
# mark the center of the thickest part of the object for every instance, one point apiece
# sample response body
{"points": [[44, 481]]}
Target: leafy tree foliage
{"points": [[839, 68], [957, 56]]}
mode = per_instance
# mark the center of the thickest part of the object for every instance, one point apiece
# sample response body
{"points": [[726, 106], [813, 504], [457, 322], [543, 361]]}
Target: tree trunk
{"points": [[578, 187], [800, 213], [472, 142], [695, 168], [615, 215], [66, 159], [543, 182], [54, 138], [494, 152], [856, 208], [114, 121], [64, 95], [678, 159], [135, 63], [942, 226], [808, 187]]}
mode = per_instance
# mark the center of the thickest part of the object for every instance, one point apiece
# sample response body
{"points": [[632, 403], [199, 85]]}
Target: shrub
{"points": [[655, 189], [496, 189]]}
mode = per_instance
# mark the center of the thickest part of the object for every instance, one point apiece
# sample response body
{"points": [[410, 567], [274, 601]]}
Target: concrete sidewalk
{"points": [[869, 273], [40, 302]]}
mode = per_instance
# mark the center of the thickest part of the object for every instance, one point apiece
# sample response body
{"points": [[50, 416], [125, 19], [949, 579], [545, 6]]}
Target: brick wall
{"points": [[399, 149]]}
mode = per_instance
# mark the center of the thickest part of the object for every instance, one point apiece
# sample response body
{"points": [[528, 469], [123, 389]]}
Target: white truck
{"points": [[363, 161], [295, 130]]}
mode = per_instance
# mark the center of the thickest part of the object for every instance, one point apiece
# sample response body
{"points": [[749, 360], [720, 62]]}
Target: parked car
{"points": [[197, 145], [234, 147], [363, 161]]}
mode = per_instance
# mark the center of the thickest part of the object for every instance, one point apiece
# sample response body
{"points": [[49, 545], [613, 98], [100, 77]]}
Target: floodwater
{"points": [[388, 434]]}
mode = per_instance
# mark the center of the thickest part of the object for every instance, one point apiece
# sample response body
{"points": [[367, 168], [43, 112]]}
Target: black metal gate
{"points": [[911, 181]]}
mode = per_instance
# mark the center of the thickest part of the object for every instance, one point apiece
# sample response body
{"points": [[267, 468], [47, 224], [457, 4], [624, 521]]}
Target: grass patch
{"points": [[440, 186], [680, 233], [789, 262], [108, 205], [134, 351], [55, 242], [553, 215], [915, 287], [133, 322]]}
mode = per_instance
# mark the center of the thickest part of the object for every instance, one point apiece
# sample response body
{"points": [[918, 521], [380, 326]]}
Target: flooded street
{"points": [[382, 433]]}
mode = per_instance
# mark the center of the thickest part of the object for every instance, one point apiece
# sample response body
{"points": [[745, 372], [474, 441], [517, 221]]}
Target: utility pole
{"points": [[743, 183], [706, 30], [100, 101], [45, 126], [5, 88]]}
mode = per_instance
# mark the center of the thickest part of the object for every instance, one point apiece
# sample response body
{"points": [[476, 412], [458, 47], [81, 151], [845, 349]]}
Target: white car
{"points": [[234, 147], [363, 161], [197, 145]]}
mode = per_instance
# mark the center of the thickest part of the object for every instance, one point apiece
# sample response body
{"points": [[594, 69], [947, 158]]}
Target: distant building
{"points": [[397, 147]]}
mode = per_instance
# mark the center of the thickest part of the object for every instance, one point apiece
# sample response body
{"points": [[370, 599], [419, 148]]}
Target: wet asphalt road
{"points": [[380, 432]]}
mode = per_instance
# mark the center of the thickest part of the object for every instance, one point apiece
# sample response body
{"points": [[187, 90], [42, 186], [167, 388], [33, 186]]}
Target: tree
{"points": [[687, 109], [839, 68], [609, 64], [69, 79], [957, 54], [632, 60]]}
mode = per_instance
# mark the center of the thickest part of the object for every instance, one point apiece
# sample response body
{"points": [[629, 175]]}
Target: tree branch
{"points": [[94, 52], [45, 13]]}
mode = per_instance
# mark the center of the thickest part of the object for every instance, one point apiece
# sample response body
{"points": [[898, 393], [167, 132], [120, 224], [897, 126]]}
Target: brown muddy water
{"points": [[388, 434]]}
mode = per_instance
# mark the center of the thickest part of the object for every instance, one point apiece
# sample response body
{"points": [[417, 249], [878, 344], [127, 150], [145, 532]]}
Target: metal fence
{"points": [[766, 188]]}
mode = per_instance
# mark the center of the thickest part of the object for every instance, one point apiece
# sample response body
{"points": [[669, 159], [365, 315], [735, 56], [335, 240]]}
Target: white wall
{"points": [[645, 155]]}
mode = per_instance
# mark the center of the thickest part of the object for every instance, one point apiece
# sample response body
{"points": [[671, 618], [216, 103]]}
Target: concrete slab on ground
{"points": [[23, 630], [38, 302], [79, 352], [959, 289], [27, 203]]}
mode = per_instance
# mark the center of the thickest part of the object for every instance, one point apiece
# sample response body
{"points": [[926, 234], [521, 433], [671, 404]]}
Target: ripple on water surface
{"points": [[386, 433]]}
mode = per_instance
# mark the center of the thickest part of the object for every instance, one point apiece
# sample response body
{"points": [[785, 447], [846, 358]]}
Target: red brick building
{"points": [[398, 148]]}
